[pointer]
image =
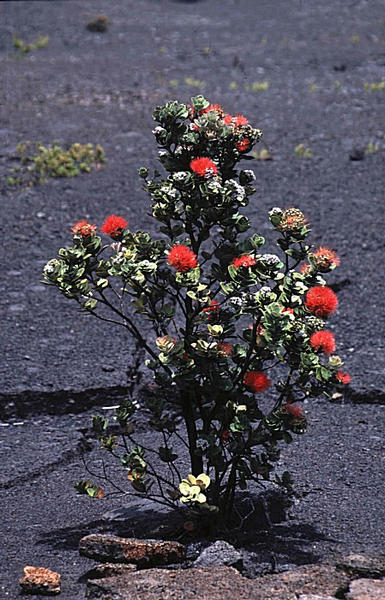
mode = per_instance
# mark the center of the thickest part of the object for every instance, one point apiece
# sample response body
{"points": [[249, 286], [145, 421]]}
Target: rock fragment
{"points": [[220, 553], [144, 553], [110, 570], [39, 580], [315, 597], [220, 583], [363, 565], [366, 589]]}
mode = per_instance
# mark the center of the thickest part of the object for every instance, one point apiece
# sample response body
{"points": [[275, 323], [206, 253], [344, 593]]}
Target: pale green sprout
{"points": [[192, 487]]}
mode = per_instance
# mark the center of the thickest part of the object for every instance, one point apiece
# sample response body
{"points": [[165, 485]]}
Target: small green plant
{"points": [[313, 87], [173, 83], [23, 48], [302, 151], [237, 336], [39, 162], [259, 86], [337, 85], [355, 39], [196, 83], [98, 24], [263, 154], [233, 86], [371, 148], [374, 86], [206, 50]]}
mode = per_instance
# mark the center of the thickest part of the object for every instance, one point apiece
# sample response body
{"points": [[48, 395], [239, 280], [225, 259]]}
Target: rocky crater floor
{"points": [[304, 72]]}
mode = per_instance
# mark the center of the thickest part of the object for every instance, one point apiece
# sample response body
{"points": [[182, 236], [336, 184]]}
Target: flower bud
{"points": [[246, 176], [165, 343], [275, 216], [335, 362], [292, 221], [51, 269], [143, 172], [265, 295], [181, 179]]}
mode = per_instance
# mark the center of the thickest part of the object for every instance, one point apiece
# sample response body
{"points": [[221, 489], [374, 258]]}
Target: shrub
{"points": [[233, 349]]}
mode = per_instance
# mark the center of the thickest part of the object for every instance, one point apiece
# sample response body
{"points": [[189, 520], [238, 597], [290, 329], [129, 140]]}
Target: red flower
{"points": [[225, 435], [213, 308], [114, 226], [343, 377], [256, 381], [84, 228], [213, 107], [324, 258], [321, 301], [288, 310], [228, 119], [224, 348], [324, 341], [246, 260], [243, 145], [204, 167], [293, 410], [182, 258], [240, 120]]}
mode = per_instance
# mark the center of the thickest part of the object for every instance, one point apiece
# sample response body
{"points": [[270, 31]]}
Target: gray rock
{"points": [[220, 553]]}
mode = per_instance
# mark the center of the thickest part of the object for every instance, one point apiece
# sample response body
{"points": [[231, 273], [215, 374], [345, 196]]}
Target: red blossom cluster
{"points": [[240, 120], [84, 229], [114, 226], [182, 258], [203, 166], [256, 381], [246, 260], [323, 341], [342, 377], [213, 107], [293, 410], [243, 145], [321, 301]]}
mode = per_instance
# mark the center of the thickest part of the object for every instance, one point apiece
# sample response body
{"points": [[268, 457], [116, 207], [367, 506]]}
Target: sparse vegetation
{"points": [[196, 83], [371, 148], [263, 154], [302, 151], [374, 86], [260, 86], [23, 48], [39, 162]]}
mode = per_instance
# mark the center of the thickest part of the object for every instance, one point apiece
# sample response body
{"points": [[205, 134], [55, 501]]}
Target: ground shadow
{"points": [[264, 537]]}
